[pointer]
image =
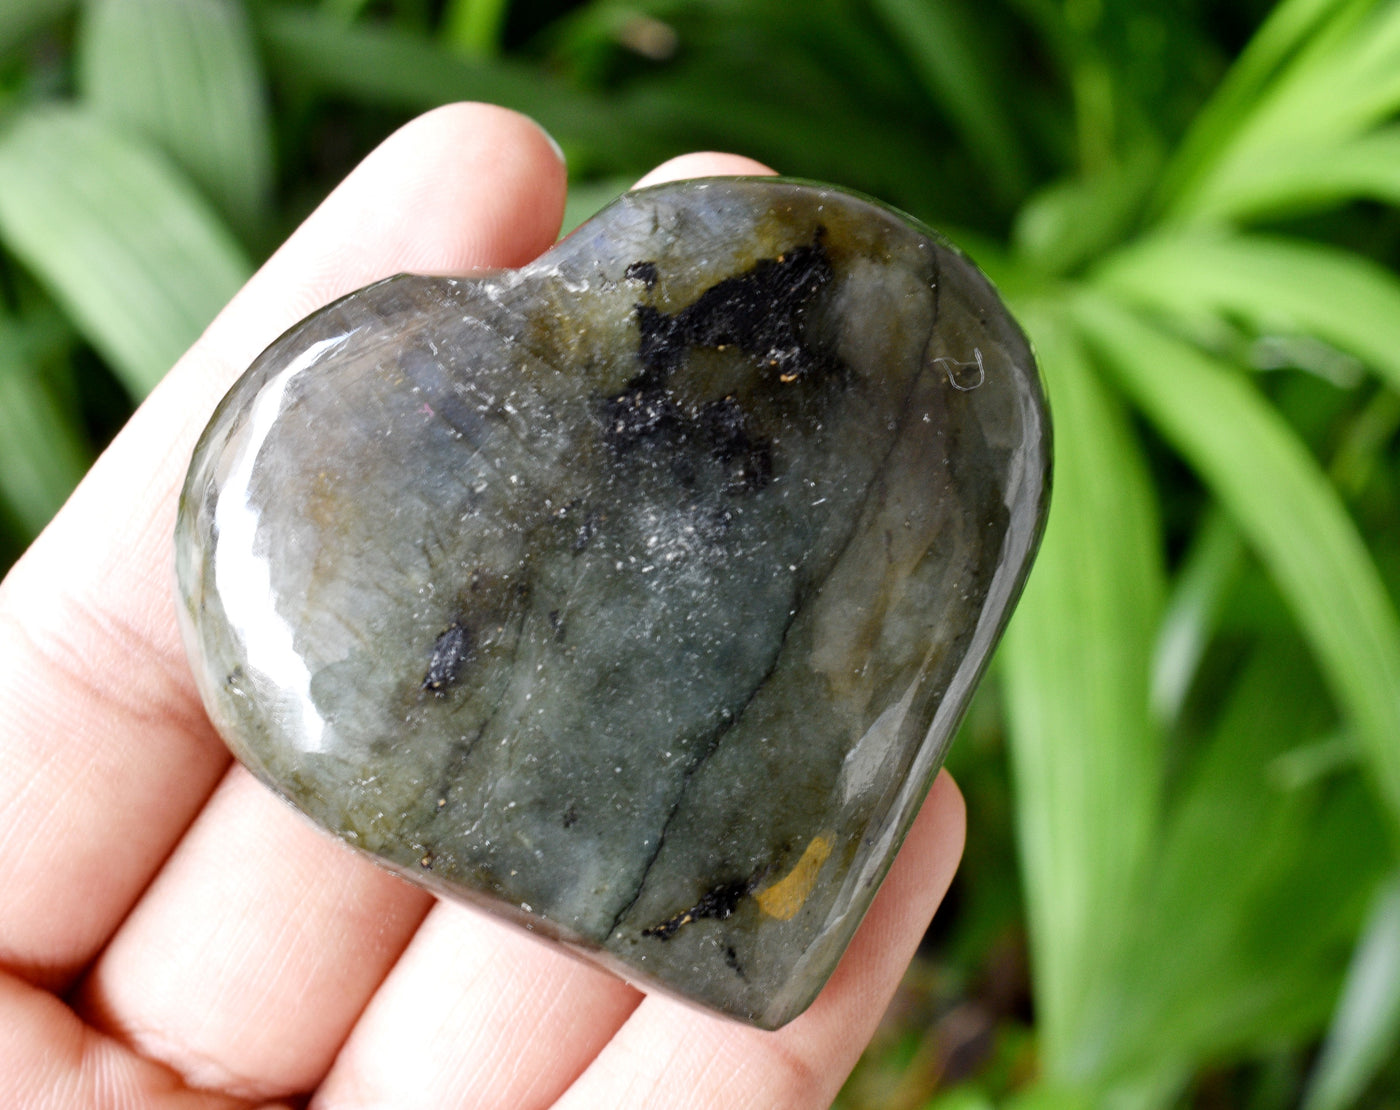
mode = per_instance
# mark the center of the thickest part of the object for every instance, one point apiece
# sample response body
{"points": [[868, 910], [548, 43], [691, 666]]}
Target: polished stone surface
{"points": [[633, 595]]}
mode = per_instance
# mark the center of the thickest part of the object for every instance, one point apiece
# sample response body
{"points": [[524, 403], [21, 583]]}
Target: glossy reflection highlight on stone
{"points": [[633, 595]]}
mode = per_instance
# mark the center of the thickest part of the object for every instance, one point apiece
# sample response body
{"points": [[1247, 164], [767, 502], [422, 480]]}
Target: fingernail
{"points": [[553, 142]]}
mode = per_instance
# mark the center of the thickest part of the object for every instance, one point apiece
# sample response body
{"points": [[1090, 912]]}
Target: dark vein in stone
{"points": [[797, 607], [712, 745]]}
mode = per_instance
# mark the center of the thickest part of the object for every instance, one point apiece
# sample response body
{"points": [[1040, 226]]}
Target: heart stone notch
{"points": [[633, 595]]}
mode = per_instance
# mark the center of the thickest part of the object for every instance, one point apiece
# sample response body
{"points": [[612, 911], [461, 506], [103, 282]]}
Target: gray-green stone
{"points": [[633, 595]]}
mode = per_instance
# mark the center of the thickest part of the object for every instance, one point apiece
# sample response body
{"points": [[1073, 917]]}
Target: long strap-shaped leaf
{"points": [[42, 453], [1273, 283], [184, 73], [1297, 178], [1085, 750], [1283, 504], [1367, 1022], [943, 43], [1295, 27], [123, 241], [373, 65]]}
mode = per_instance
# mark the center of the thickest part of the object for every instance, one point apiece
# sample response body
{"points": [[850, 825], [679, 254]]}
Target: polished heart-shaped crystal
{"points": [[633, 595]]}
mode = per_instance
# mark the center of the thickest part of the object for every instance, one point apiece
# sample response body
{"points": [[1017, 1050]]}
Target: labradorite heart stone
{"points": [[635, 594]]}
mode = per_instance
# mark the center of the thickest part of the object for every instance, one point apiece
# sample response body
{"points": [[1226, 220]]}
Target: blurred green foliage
{"points": [[1182, 884]]}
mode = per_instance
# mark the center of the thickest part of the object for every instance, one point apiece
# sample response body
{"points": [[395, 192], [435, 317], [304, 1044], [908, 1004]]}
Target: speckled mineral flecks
{"points": [[633, 595]]}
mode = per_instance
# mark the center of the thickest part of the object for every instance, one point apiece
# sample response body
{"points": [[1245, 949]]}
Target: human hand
{"points": [[172, 935]]}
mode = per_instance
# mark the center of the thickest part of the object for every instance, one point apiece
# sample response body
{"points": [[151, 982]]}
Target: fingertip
{"points": [[704, 164], [500, 172], [463, 187], [947, 808]]}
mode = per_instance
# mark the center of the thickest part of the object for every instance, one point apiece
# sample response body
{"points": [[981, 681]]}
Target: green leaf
{"points": [[961, 1098], [1076, 219], [944, 44], [124, 242], [1265, 478], [21, 18], [1043, 1095], [1212, 564], [42, 449], [377, 66], [1315, 760], [1362, 448], [1255, 893], [1278, 285], [1291, 24], [1293, 181], [475, 26], [1342, 82], [185, 74], [1085, 750], [1366, 1028]]}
